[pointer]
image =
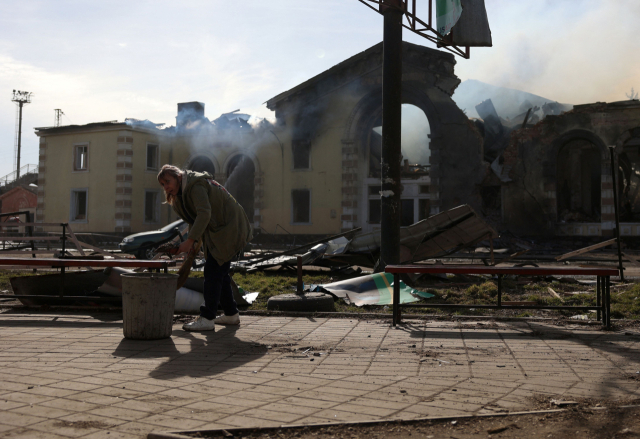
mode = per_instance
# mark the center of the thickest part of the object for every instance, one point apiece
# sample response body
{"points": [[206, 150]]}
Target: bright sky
{"points": [[109, 60]]}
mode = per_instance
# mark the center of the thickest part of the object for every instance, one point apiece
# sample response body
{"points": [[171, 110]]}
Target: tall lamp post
{"points": [[21, 98]]}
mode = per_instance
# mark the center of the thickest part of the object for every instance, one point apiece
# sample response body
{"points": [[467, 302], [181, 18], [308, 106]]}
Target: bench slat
{"points": [[480, 269], [53, 262]]}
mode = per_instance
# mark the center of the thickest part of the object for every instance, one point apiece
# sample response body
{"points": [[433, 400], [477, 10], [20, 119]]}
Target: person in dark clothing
{"points": [[217, 219]]}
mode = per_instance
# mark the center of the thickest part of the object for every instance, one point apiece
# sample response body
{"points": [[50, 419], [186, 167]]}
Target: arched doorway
{"points": [[579, 175], [241, 182], [202, 163], [415, 202], [629, 178]]}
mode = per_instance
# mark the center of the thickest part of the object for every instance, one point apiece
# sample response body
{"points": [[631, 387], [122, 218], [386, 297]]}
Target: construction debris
{"points": [[436, 236]]}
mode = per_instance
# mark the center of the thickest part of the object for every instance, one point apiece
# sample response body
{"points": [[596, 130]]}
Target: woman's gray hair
{"points": [[169, 171]]}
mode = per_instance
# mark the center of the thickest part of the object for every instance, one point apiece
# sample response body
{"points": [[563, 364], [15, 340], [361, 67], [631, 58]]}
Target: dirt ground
{"points": [[587, 419]]}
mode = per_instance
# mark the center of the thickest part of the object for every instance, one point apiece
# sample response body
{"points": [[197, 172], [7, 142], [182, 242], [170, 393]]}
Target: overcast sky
{"points": [[108, 60]]}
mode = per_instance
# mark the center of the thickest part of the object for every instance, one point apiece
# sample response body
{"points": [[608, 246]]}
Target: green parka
{"points": [[213, 214]]}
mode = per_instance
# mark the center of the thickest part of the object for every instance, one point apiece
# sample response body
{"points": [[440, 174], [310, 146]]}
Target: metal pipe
{"points": [[391, 137]]}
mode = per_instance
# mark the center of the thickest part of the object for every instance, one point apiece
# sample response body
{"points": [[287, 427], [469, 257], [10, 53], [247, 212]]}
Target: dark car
{"points": [[144, 244]]}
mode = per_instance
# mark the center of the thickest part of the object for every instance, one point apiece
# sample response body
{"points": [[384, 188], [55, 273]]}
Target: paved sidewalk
{"points": [[75, 376]]}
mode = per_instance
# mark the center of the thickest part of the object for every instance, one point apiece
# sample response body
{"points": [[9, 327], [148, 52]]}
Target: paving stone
{"points": [[230, 378]]}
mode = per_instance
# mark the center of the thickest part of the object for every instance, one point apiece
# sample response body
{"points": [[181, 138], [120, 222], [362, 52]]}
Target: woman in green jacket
{"points": [[217, 219]]}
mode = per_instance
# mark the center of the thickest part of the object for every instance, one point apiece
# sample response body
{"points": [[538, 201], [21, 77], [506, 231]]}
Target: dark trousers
{"points": [[217, 289]]}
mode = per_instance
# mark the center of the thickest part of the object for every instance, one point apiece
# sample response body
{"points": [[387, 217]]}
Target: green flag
{"points": [[447, 15]]}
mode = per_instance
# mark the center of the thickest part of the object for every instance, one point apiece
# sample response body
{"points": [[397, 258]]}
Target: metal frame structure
{"points": [[418, 26], [603, 287]]}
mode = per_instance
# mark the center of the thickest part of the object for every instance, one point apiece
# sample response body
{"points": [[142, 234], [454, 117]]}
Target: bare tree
{"points": [[632, 95]]}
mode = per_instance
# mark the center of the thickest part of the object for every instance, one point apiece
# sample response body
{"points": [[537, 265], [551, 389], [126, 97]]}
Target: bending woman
{"points": [[215, 217]]}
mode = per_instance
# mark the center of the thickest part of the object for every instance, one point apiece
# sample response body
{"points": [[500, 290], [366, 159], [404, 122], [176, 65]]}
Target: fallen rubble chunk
{"points": [[562, 403]]}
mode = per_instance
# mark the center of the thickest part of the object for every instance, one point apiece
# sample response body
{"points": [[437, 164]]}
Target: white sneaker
{"points": [[228, 320], [199, 324]]}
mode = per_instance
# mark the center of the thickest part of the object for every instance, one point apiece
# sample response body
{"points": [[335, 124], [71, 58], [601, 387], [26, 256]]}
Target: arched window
{"points": [[415, 204], [578, 190], [202, 164], [629, 179]]}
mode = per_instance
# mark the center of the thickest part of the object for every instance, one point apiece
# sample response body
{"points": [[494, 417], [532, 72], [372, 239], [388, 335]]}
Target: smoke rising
{"points": [[567, 51]]}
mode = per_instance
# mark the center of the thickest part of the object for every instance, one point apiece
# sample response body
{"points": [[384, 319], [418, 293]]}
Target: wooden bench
{"points": [[63, 263], [603, 287]]}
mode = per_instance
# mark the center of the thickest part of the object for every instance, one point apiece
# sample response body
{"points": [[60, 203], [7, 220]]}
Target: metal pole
{"points": [[19, 141], [62, 269], [615, 210], [397, 311], [299, 287], [391, 136]]}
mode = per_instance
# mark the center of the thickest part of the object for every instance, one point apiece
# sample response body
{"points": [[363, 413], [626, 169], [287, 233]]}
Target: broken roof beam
{"points": [[305, 246], [586, 249]]}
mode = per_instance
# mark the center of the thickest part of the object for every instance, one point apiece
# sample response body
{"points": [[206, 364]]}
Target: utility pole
{"points": [[21, 98], [59, 113], [391, 134]]}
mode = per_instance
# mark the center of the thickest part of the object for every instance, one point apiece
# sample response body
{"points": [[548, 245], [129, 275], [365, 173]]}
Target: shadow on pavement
{"points": [[205, 354], [611, 342]]}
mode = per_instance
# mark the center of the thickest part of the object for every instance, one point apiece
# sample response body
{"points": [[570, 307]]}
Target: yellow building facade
{"points": [[314, 171]]}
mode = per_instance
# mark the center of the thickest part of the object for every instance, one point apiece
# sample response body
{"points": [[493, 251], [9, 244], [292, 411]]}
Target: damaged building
{"points": [[556, 176], [316, 169]]}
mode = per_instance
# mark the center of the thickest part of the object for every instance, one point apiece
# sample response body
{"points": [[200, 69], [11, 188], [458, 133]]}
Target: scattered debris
{"points": [[374, 289], [562, 403]]}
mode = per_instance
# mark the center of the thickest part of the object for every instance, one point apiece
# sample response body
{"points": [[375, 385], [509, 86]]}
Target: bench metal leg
{"points": [[608, 300], [62, 270], [499, 290], [395, 300], [598, 301]]}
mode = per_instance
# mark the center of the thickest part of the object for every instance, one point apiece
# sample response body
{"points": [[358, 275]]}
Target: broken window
{"points": [[241, 182], [578, 190], [424, 208], [491, 201], [406, 212], [301, 206], [151, 206], [80, 159], [415, 144], [374, 211], [79, 198], [301, 154], [152, 157], [629, 180]]}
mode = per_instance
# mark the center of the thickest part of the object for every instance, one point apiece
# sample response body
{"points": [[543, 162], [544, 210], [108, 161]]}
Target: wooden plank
{"points": [[632, 259], [101, 251], [75, 240], [511, 256], [554, 294], [586, 249]]}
